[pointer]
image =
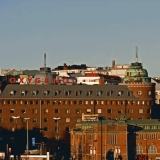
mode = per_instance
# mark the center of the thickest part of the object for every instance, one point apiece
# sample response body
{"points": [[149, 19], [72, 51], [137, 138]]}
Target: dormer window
{"points": [[12, 92], [67, 93], [46, 93], [34, 93], [88, 93], [120, 93], [23, 93], [78, 93], [109, 93], [99, 93], [57, 93], [129, 93]]}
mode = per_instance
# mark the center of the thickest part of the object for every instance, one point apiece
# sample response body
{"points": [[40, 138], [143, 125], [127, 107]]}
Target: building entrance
{"points": [[110, 155]]}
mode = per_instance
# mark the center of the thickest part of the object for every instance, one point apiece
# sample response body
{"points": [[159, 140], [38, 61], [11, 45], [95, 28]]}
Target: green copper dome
{"points": [[136, 74]]}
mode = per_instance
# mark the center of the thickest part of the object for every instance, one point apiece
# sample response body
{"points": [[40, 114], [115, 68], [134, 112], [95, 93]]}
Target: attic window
{"points": [[23, 93], [57, 93], [109, 93], [129, 93], [78, 93], [46, 93], [99, 93], [120, 93], [12, 93], [88, 93], [34, 93], [67, 93]]}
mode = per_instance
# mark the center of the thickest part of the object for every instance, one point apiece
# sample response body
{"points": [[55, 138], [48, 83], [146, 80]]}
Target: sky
{"points": [[91, 32]]}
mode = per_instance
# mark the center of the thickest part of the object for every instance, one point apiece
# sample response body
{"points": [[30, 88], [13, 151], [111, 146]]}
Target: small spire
{"points": [[44, 59]]}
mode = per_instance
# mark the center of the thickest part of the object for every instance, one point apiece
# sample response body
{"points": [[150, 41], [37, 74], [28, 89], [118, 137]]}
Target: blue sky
{"points": [[92, 32]]}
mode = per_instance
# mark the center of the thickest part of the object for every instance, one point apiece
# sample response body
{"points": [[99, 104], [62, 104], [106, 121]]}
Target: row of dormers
{"points": [[68, 92]]}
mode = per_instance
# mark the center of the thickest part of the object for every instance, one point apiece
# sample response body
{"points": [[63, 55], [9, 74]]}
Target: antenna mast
{"points": [[136, 54], [44, 59]]}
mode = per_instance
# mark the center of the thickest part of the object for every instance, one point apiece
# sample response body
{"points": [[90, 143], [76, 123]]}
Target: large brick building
{"points": [[116, 139], [46, 102]]}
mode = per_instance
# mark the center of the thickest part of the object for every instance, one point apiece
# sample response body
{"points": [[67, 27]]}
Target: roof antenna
{"points": [[45, 60], [136, 54]]}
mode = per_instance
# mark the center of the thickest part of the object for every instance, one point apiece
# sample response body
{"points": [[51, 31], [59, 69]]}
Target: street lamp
{"points": [[16, 117], [101, 118], [27, 133], [57, 129]]}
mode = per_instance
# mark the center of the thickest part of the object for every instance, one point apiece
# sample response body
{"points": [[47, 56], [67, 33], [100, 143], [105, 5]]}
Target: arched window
{"points": [[152, 149], [139, 150]]}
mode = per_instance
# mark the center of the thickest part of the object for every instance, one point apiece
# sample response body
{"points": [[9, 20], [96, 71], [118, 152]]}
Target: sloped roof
{"points": [[62, 89]]}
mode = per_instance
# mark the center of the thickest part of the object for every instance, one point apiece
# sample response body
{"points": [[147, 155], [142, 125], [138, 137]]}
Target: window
{"points": [[11, 120], [109, 111], [34, 119], [138, 102], [78, 110], [31, 102], [78, 93], [48, 102], [109, 93], [112, 138], [88, 93], [11, 110], [57, 93], [88, 110], [139, 150], [59, 102], [34, 93], [67, 129], [67, 119], [133, 102], [45, 128], [12, 93], [1, 120], [139, 92], [130, 110], [149, 92], [34, 110], [23, 93], [140, 110], [9, 102], [45, 119], [120, 111], [67, 93], [3, 102], [149, 111], [1, 110], [45, 93], [75, 102], [117, 102], [67, 111], [129, 93], [143, 103], [78, 119], [25, 102], [86, 102], [12, 129], [120, 93], [152, 149], [99, 110], [102, 102], [45, 110], [99, 93], [23, 111], [56, 111]]}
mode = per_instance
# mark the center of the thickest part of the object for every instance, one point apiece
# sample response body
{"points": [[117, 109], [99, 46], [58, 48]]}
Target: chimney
{"points": [[65, 66], [101, 80], [113, 63]]}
